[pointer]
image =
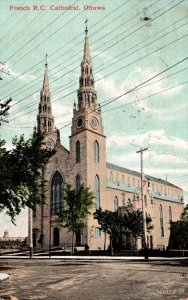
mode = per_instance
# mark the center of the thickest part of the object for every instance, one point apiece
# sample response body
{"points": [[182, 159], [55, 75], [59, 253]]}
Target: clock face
{"points": [[80, 122], [94, 122], [50, 143]]}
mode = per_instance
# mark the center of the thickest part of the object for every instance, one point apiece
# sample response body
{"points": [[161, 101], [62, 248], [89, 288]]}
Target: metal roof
{"points": [[135, 173]]}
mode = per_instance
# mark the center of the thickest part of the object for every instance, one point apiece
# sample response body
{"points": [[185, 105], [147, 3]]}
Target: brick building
{"points": [[85, 161]]}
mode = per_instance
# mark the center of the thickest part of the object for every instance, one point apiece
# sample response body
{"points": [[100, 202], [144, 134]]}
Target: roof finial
{"points": [[46, 57], [86, 30]]}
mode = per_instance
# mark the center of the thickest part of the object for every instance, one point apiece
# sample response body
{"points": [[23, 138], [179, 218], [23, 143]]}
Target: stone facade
{"points": [[85, 162]]}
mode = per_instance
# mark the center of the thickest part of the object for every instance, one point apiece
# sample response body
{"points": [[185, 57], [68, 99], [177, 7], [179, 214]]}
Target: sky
{"points": [[133, 43]]}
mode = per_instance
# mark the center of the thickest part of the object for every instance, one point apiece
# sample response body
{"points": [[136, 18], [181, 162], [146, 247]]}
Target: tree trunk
{"points": [[72, 252], [104, 241], [111, 246]]}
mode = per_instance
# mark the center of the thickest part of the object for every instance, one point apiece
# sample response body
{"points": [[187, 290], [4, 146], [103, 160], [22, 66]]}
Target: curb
{"points": [[3, 276]]}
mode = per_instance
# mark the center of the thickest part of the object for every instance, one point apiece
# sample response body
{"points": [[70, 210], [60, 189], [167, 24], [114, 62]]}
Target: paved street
{"points": [[72, 279]]}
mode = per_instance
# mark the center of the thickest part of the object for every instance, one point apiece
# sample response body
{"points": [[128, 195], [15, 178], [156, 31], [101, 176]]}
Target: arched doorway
{"points": [[56, 238]]}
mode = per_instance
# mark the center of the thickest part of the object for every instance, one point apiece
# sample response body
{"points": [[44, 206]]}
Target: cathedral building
{"points": [[85, 162]]}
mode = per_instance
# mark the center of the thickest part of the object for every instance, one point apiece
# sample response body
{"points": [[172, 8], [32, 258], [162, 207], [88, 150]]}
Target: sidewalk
{"points": [[93, 258]]}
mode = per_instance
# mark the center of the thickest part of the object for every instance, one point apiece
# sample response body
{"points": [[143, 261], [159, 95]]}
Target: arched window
{"points": [[78, 182], [116, 203], [78, 151], [97, 191], [96, 151], [145, 201], [170, 214], [111, 177], [161, 221], [57, 191], [129, 202]]}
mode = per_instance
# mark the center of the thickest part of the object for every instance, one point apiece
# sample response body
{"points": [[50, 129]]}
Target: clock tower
{"points": [[87, 113], [87, 140]]}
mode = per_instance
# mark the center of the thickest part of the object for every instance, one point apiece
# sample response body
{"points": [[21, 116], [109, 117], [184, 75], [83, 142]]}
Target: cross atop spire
{"points": [[46, 81], [86, 30], [87, 55], [46, 57]]}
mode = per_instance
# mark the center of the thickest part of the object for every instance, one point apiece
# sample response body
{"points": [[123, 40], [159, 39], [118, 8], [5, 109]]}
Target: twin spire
{"points": [[87, 55], [46, 80], [45, 119], [87, 97]]}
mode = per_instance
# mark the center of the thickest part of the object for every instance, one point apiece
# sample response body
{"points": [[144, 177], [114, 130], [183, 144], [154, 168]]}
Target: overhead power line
{"points": [[23, 46], [133, 26], [123, 67], [64, 45]]}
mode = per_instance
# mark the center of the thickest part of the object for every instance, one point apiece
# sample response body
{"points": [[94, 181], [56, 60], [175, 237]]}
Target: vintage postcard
{"points": [[105, 83]]}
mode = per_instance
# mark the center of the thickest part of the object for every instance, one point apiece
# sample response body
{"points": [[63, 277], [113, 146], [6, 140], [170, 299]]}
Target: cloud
{"points": [[19, 76], [155, 137], [103, 55], [113, 88]]}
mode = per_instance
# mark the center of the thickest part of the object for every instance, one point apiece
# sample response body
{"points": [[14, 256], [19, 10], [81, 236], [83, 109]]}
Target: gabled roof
{"points": [[135, 173]]}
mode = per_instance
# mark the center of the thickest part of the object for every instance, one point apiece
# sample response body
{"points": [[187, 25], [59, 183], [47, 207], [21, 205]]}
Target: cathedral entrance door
{"points": [[56, 238]]}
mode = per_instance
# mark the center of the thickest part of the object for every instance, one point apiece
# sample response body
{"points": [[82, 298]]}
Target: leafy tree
{"points": [[179, 230], [132, 222], [114, 224], [21, 182], [78, 203], [149, 225], [110, 224]]}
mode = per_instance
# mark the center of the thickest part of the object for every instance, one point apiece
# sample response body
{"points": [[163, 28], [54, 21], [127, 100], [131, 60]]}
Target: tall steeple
{"points": [[45, 119], [46, 80], [87, 96]]}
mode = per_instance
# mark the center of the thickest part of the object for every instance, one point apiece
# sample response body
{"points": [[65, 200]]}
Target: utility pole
{"points": [[30, 232], [4, 107], [144, 244]]}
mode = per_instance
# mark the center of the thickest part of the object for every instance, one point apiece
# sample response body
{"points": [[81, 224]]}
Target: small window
{"points": [[111, 177], [116, 203], [161, 190], [170, 214], [78, 182], [161, 221], [129, 202], [97, 232], [145, 201], [97, 192], [117, 179], [129, 181], [96, 151], [78, 151], [123, 179]]}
